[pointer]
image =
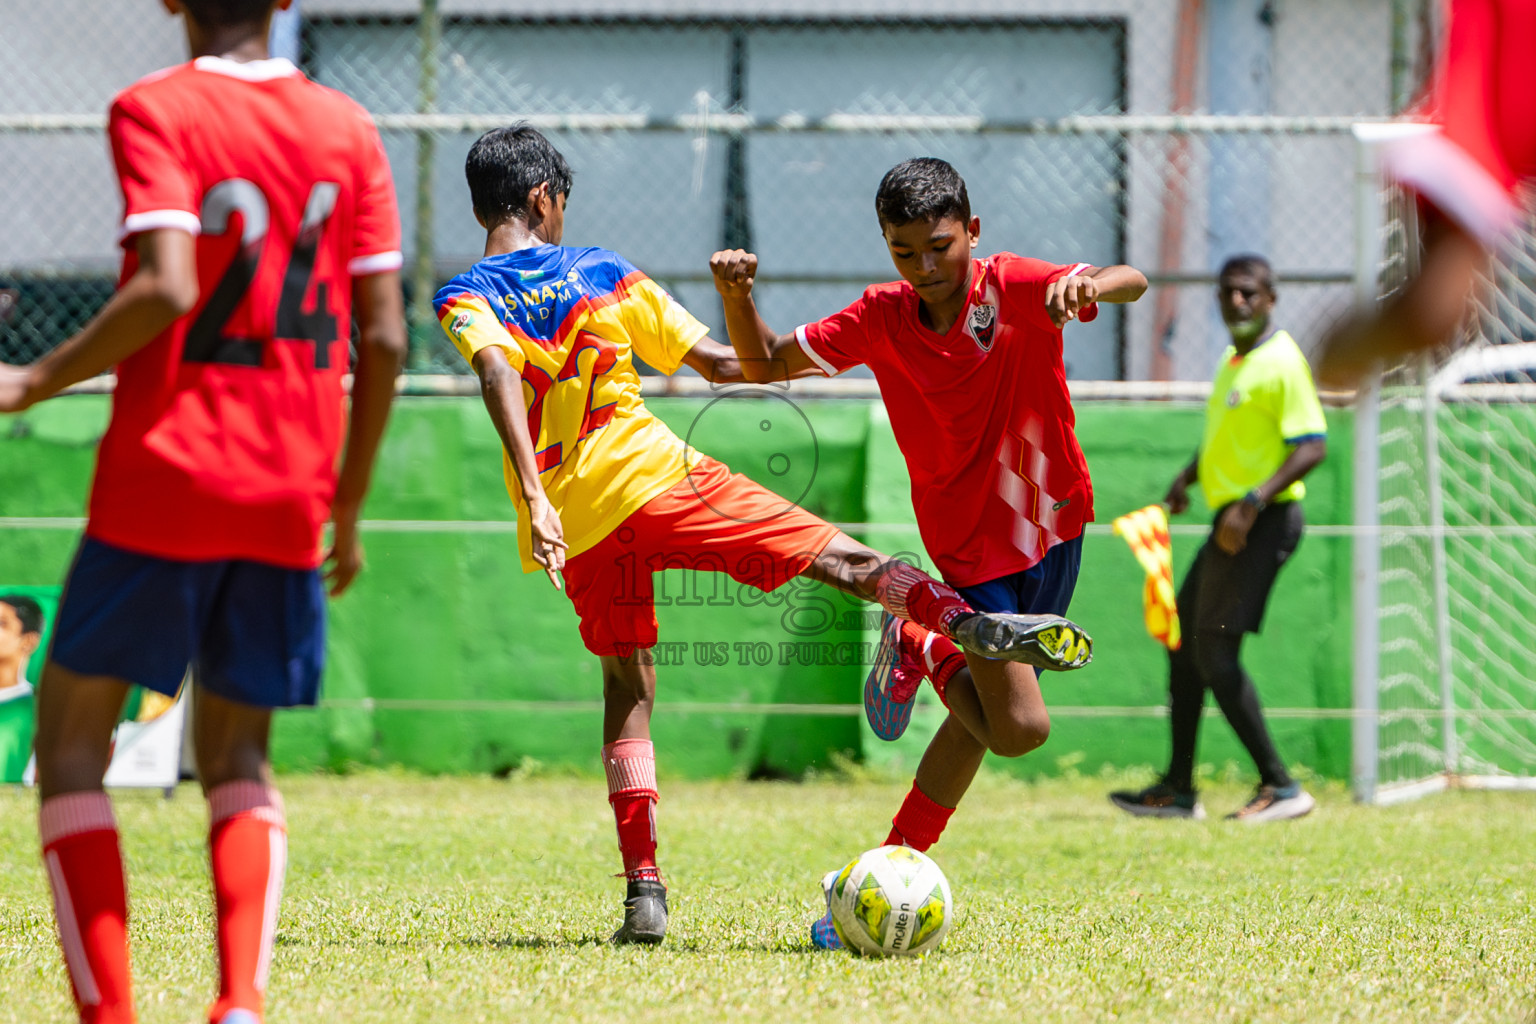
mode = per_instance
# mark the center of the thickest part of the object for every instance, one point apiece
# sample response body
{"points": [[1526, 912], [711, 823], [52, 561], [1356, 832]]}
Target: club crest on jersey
{"points": [[981, 324], [1234, 398], [461, 324]]}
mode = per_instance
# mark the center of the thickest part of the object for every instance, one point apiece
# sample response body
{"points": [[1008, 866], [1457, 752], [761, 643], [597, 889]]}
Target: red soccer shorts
{"points": [[713, 520]]}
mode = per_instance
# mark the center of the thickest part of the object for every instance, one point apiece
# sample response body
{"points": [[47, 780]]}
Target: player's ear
{"points": [[30, 642], [538, 196], [973, 229]]}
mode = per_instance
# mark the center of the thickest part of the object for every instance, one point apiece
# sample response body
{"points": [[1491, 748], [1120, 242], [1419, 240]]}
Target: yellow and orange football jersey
{"points": [[572, 322]]}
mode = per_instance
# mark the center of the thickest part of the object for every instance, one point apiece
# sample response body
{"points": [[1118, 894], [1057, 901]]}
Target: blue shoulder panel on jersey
{"points": [[534, 290]]}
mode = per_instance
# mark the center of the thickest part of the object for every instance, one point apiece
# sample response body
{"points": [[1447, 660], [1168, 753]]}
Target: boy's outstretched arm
{"points": [[163, 288], [379, 309], [501, 387], [1423, 314], [764, 356], [715, 362], [1065, 296]]}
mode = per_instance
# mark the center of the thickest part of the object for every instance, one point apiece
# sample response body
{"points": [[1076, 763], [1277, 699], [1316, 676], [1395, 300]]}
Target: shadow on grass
{"points": [[535, 942], [671, 945], [540, 943]]}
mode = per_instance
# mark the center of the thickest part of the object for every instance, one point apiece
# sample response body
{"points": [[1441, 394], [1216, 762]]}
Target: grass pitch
{"points": [[453, 900]]}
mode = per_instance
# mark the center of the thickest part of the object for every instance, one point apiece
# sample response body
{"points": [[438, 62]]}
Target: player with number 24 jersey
{"points": [[205, 459], [259, 223]]}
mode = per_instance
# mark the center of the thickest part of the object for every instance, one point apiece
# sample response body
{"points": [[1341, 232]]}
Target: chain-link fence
{"points": [[1163, 133]]}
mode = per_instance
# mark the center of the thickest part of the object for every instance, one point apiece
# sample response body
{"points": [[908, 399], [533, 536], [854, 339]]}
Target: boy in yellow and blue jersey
{"points": [[1264, 431], [606, 494], [620, 314]]}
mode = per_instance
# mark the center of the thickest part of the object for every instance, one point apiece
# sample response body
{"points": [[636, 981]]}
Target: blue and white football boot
{"points": [[824, 932]]}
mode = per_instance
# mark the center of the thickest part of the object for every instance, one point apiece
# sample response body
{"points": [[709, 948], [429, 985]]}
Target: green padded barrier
{"points": [[443, 613]]}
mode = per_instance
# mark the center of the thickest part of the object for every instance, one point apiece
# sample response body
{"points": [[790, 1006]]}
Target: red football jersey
{"points": [[1484, 99], [226, 428], [981, 413]]}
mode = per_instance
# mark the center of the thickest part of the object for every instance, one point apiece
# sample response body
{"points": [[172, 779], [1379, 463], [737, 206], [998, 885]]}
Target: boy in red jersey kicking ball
{"points": [[968, 355], [259, 219], [607, 494]]}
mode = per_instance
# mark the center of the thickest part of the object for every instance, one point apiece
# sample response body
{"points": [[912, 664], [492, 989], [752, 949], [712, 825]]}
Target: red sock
{"points": [[90, 900], [631, 769], [940, 657], [911, 594], [248, 849], [919, 823]]}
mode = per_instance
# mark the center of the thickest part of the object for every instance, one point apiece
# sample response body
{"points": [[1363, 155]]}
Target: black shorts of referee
{"points": [[1228, 593]]}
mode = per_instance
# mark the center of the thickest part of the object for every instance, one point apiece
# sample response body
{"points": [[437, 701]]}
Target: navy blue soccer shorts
{"points": [[252, 633], [1045, 588]]}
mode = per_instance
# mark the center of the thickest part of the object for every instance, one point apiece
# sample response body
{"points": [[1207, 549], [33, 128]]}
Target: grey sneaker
{"points": [[1044, 641], [1159, 800], [645, 915], [1275, 803]]}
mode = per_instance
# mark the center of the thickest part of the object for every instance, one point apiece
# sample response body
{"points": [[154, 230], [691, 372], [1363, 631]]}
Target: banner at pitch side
{"points": [[147, 744]]}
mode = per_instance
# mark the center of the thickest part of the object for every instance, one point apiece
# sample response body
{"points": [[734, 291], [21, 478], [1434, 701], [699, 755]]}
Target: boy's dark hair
{"points": [[505, 164], [27, 610], [1250, 263], [923, 188], [227, 12]]}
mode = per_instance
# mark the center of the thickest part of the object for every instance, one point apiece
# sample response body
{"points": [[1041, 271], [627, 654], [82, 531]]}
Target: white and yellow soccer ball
{"points": [[891, 901]]}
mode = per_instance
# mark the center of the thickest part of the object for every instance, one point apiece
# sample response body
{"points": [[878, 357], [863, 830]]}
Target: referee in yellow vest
{"points": [[1264, 431]]}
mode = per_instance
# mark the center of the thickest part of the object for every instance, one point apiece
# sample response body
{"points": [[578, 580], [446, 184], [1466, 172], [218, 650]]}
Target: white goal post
{"points": [[1445, 511]]}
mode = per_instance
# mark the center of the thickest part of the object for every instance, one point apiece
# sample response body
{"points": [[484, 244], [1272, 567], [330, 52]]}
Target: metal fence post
{"points": [[429, 34]]}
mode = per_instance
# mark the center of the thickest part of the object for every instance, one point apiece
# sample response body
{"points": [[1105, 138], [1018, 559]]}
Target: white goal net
{"points": [[1445, 561]]}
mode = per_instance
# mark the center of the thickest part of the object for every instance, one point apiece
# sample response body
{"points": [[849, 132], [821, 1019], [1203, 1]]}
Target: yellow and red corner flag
{"points": [[1146, 531]]}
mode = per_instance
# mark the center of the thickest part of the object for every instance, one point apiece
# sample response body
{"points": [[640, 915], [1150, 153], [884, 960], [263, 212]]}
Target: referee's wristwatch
{"points": [[1253, 501]]}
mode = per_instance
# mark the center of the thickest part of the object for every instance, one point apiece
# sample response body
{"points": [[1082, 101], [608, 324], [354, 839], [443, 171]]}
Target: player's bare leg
{"points": [[230, 741], [1007, 698], [629, 696], [247, 847], [629, 760], [76, 715], [75, 718], [950, 763]]}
